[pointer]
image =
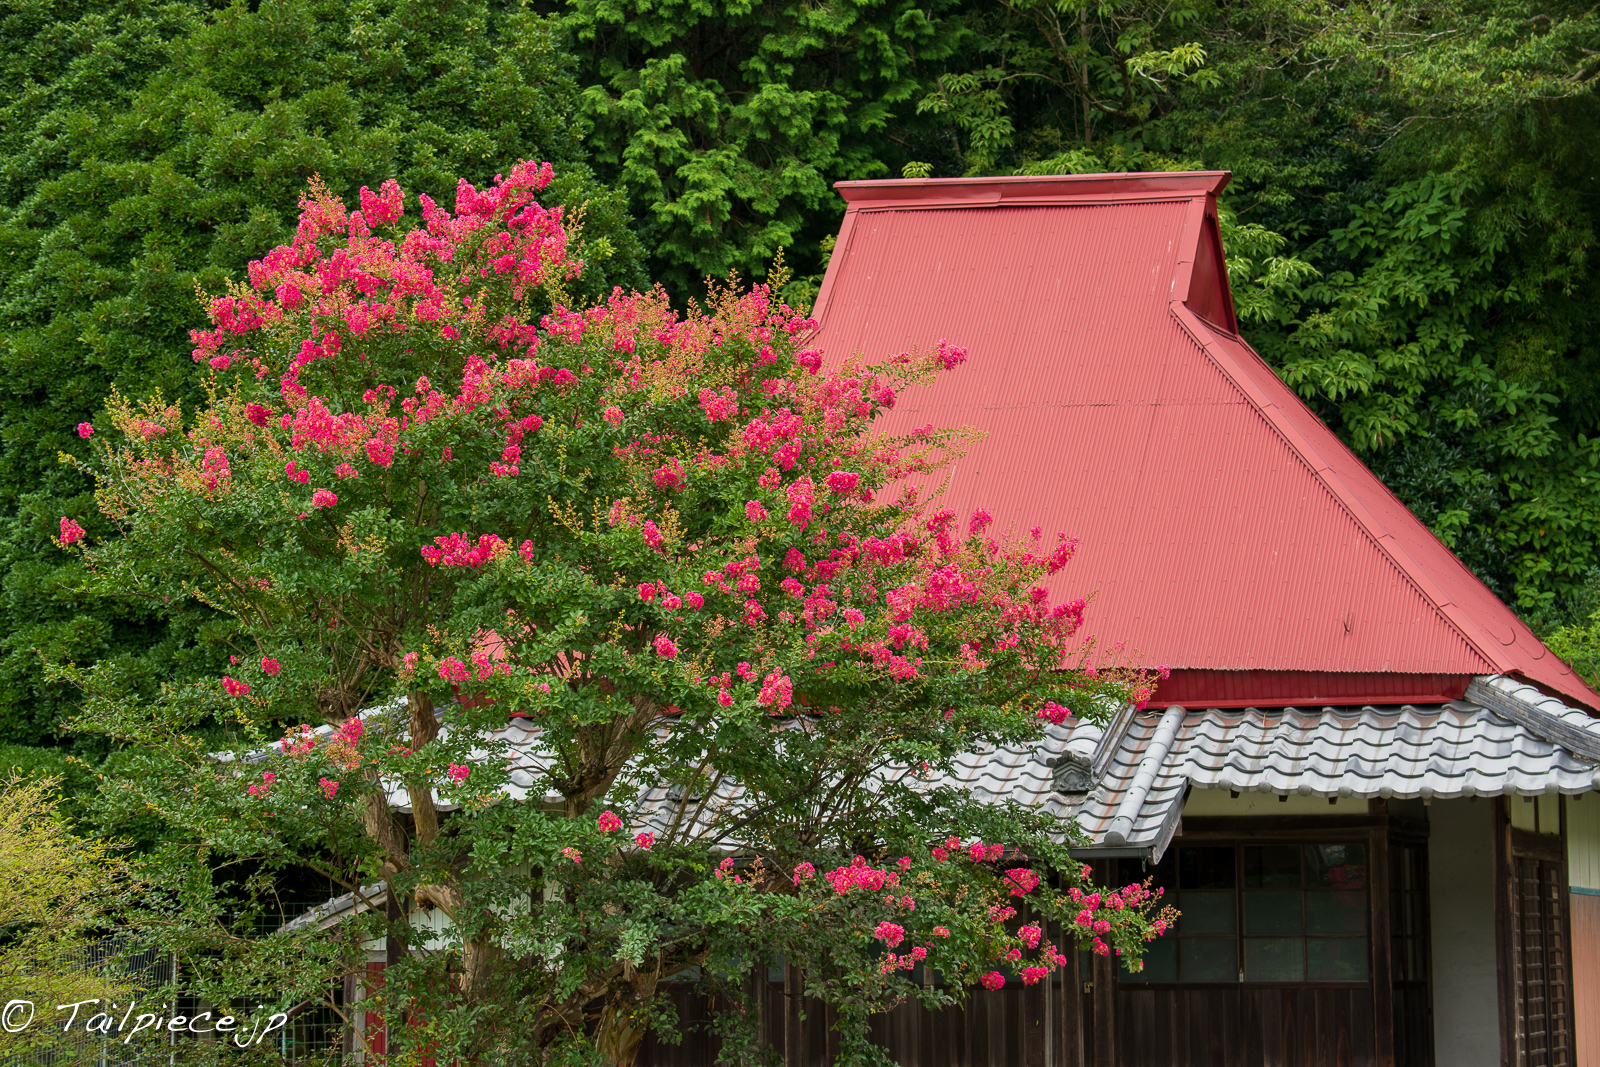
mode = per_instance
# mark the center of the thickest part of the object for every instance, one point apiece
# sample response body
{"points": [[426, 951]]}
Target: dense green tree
{"points": [[149, 150], [1408, 224]]}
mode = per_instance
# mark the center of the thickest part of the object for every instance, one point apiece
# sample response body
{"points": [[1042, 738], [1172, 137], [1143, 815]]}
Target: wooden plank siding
{"points": [[1586, 978], [1582, 821]]}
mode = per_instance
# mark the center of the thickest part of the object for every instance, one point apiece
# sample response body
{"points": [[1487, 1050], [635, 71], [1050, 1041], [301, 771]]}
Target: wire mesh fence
{"points": [[311, 1033]]}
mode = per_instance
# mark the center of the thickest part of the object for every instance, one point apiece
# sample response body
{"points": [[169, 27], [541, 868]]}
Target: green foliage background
{"points": [[1409, 223]]}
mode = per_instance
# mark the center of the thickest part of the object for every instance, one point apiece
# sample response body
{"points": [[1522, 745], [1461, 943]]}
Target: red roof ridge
{"points": [[883, 193]]}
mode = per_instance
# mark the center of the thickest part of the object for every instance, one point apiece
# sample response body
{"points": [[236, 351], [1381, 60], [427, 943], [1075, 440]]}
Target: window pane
{"points": [[1205, 913], [1272, 912], [1160, 962], [1210, 959], [1336, 959], [1205, 868], [1336, 866], [1336, 912], [1272, 867], [1274, 959]]}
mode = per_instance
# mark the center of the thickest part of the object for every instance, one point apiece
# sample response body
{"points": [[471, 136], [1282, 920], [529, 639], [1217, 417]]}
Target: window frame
{"points": [[1238, 833]]}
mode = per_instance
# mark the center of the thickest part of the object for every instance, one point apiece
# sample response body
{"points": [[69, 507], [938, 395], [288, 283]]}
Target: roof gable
{"points": [[1223, 526]]}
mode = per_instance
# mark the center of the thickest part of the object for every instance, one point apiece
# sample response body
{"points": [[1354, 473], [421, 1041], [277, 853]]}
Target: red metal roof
{"points": [[1223, 527]]}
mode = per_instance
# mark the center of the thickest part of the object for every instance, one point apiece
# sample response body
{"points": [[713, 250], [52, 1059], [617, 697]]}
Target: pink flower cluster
{"points": [[859, 875], [455, 550], [71, 532], [889, 933], [458, 772], [1022, 882], [234, 688], [609, 822], [267, 778]]}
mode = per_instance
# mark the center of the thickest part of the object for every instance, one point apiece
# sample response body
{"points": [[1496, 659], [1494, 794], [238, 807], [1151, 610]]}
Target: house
{"points": [[1366, 784]]}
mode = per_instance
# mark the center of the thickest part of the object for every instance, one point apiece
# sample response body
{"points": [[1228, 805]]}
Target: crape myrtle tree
{"points": [[425, 494]]}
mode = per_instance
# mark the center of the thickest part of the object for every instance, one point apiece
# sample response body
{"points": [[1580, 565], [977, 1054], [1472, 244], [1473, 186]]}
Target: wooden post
{"points": [[793, 1003], [1070, 1006], [1035, 1023], [1382, 969], [1505, 927], [1105, 1005]]}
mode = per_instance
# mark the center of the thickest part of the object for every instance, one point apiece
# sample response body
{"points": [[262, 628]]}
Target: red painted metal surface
{"points": [[1223, 526]]}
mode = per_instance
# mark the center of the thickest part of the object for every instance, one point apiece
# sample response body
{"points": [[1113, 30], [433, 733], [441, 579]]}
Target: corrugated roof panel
{"points": [[1223, 526]]}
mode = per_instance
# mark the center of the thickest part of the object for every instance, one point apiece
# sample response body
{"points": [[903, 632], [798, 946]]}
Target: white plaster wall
{"points": [[1466, 1011], [1583, 842]]}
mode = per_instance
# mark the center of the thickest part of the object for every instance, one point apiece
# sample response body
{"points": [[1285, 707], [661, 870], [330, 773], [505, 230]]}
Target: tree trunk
{"points": [[626, 1019]]}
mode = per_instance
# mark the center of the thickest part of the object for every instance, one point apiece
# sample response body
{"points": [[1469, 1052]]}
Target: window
{"points": [[1277, 913]]}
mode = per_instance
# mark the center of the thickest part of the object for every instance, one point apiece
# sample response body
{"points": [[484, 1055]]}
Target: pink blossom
{"points": [[1030, 936], [234, 688], [940, 931], [1031, 975], [1013, 955], [294, 474], [71, 532], [647, 591], [841, 482], [613, 415], [270, 666], [644, 840], [754, 511], [85, 430], [670, 476], [664, 647], [719, 406], [993, 980], [1022, 882], [777, 690], [804, 872], [572, 854], [1160, 927], [889, 933], [458, 773], [652, 535], [323, 498], [949, 356], [694, 600], [1055, 713], [330, 788], [609, 822]]}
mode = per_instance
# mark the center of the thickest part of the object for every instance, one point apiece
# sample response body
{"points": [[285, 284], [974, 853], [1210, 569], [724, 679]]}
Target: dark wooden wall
{"points": [[1232, 1026], [1004, 1028]]}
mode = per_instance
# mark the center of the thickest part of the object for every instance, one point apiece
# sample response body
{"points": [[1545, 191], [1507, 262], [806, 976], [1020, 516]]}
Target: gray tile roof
{"points": [[1525, 744], [1124, 782]]}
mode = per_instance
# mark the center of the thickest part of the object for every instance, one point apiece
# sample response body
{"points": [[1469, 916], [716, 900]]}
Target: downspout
{"points": [[1144, 777]]}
